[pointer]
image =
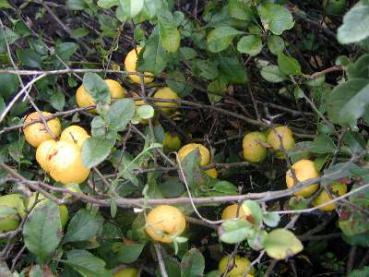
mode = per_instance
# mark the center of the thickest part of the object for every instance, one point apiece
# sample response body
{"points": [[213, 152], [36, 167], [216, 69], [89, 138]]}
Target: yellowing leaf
{"points": [[281, 244]]}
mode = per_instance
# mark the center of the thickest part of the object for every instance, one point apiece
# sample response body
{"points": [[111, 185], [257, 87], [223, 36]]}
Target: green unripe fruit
{"points": [[279, 136], [64, 214], [127, 272], [9, 219], [253, 145], [15, 201], [171, 142]]}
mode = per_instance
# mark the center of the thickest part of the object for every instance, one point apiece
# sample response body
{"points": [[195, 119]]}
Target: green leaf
{"points": [[323, 144], [66, 49], [188, 53], [95, 150], [271, 219], [271, 73], [170, 37], [172, 267], [288, 65], [9, 84], [357, 240], [218, 86], [172, 187], [83, 226], [280, 244], [76, 5], [214, 273], [42, 231], [96, 86], [220, 38], [2, 104], [98, 127], [120, 114], [361, 272], [145, 111], [360, 68], [348, 102], [57, 100], [256, 212], [131, 8], [79, 32], [206, 69], [192, 264], [275, 18], [128, 253], [29, 57], [232, 70], [240, 10], [176, 80], [86, 264], [152, 8], [355, 22], [250, 44], [4, 4], [235, 230], [257, 240], [275, 44], [225, 188], [154, 58], [355, 142], [8, 35], [107, 4]]}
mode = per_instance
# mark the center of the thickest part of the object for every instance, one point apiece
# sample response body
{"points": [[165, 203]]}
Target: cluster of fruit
{"points": [[58, 153], [84, 99], [280, 139], [61, 159], [255, 144]]}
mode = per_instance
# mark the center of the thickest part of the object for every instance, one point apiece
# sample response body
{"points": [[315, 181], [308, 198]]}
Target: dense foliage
{"points": [[184, 138]]}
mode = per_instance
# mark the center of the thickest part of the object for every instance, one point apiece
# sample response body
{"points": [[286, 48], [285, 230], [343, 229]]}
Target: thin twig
{"points": [[163, 271]]}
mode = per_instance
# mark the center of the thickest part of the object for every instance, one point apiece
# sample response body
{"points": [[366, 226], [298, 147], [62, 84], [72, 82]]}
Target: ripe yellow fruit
{"points": [[165, 222], [36, 133], [166, 93], [42, 152], [304, 170], [171, 142], [188, 148], [230, 212], [240, 265], [74, 134], [116, 90], [65, 163], [138, 102], [278, 134], [212, 172], [130, 64], [253, 145], [337, 189], [84, 99], [127, 272]]}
